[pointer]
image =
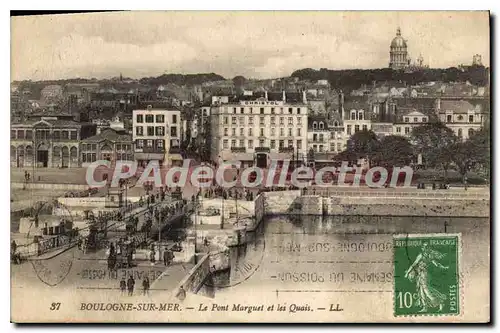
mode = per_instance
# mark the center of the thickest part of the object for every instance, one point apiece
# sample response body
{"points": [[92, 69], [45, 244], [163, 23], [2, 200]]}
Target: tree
{"points": [[435, 142], [363, 144], [394, 150], [480, 141], [464, 157], [239, 81]]}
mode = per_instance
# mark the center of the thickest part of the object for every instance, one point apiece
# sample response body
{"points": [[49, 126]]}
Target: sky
{"points": [[253, 44]]}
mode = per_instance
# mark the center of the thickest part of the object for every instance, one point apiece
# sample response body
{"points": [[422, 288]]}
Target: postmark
{"points": [[52, 231], [427, 274]]}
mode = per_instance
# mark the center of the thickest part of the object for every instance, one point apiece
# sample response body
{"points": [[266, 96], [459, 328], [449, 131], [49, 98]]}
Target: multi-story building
{"points": [[110, 144], [408, 121], [261, 130], [461, 116], [48, 141], [318, 134], [156, 135]]}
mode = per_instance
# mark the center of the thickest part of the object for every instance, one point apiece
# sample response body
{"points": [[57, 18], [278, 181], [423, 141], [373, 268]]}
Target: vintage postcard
{"points": [[250, 167]]}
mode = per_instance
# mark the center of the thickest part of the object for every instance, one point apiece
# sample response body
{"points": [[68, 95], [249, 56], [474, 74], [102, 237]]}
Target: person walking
{"points": [[123, 286], [145, 286], [165, 256], [130, 285]]}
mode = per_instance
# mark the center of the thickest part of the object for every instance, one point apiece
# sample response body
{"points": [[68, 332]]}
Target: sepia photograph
{"points": [[250, 167]]}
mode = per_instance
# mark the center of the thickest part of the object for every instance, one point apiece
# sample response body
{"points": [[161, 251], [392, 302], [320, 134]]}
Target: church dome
{"points": [[398, 41]]}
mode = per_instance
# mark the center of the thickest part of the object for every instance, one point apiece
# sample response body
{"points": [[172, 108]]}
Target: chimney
{"points": [[284, 97], [304, 97]]}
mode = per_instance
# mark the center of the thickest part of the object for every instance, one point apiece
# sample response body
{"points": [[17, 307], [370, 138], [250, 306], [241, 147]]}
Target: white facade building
{"points": [[461, 116], [258, 131]]}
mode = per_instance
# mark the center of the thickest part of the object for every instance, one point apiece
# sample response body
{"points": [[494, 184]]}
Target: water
{"points": [[316, 259]]}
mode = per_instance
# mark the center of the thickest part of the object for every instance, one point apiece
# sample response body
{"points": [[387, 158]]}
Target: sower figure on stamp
{"points": [[427, 295]]}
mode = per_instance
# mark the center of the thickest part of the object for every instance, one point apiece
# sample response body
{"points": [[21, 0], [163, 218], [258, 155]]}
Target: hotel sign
{"points": [[262, 103]]}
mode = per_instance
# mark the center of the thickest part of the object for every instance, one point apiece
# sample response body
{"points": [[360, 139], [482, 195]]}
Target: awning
{"points": [[149, 156], [281, 156], [176, 157], [229, 156]]}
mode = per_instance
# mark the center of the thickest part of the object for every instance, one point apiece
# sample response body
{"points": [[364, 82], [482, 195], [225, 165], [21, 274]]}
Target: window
{"points": [[272, 110], [321, 125], [234, 110], [233, 120], [448, 118], [242, 143], [282, 143], [365, 127], [250, 144], [160, 130], [226, 131], [298, 110], [29, 134], [299, 132], [289, 132], [261, 121], [315, 125], [56, 135], [225, 121], [290, 120], [13, 134], [261, 143], [349, 129], [20, 134], [353, 115], [321, 148], [241, 132], [261, 132], [460, 118], [415, 120], [315, 137], [64, 135], [273, 120], [273, 144], [251, 110], [139, 118], [282, 121], [250, 120], [150, 130], [407, 130], [315, 147], [73, 135], [173, 131], [140, 143], [299, 144], [160, 118], [424, 119], [224, 144], [174, 119], [299, 121], [242, 121], [261, 110], [233, 131], [250, 132], [290, 143], [150, 118], [273, 131], [233, 143], [242, 110], [282, 132], [332, 146], [159, 143], [321, 137], [407, 120], [149, 143], [459, 132], [356, 128], [471, 132], [398, 129], [471, 118], [339, 146], [290, 110], [360, 115]]}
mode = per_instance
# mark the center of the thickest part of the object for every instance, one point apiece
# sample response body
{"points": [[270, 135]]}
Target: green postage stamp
{"points": [[426, 274]]}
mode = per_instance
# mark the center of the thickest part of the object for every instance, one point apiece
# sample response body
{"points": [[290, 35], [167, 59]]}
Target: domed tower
{"points": [[399, 52]]}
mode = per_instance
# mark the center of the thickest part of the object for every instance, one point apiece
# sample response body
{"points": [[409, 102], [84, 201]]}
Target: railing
{"points": [[441, 194]]}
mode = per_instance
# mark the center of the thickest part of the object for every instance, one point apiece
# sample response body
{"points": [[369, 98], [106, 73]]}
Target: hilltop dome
{"points": [[398, 41]]}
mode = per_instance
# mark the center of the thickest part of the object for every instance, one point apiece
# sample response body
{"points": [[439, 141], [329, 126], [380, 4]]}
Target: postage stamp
{"points": [[426, 274]]}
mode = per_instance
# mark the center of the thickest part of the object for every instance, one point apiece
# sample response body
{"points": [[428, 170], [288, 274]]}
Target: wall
{"points": [[46, 186], [193, 281]]}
